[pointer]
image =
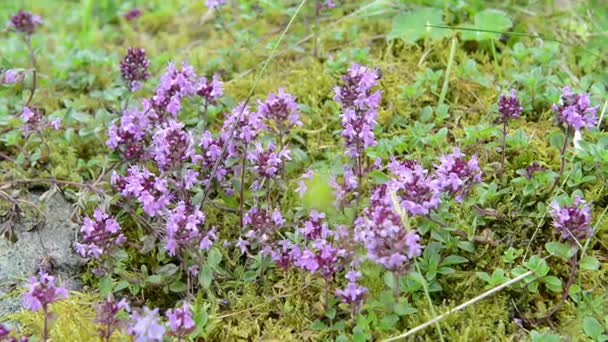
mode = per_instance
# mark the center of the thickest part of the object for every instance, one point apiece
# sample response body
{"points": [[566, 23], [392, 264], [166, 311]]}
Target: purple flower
{"points": [[130, 137], [388, 243], [107, 316], [302, 188], [215, 4], [172, 145], [183, 227], [353, 293], [151, 191], [134, 68], [261, 225], [509, 107], [211, 152], [25, 22], [322, 257], [180, 321], [359, 108], [315, 228], [100, 234], [417, 192], [575, 110], [267, 163], [132, 14], [572, 222], [244, 125], [348, 185], [282, 110], [34, 120], [456, 175], [211, 91], [174, 86], [42, 291], [4, 332], [285, 254], [12, 76], [146, 327]]}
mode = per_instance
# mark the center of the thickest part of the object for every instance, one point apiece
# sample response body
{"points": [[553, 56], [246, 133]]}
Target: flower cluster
{"points": [[146, 326], [99, 235], [41, 292], [181, 323], [285, 254], [215, 4], [151, 191], [24, 22], [107, 316], [359, 108], [172, 145], [35, 121], [572, 222], [315, 228], [416, 191], [575, 110], [11, 76], [244, 125], [130, 137], [353, 293], [282, 110], [267, 163], [348, 185], [381, 232], [211, 152], [210, 91], [509, 107], [322, 257], [261, 225], [132, 14], [183, 229], [134, 68], [174, 86], [456, 175], [4, 332]]}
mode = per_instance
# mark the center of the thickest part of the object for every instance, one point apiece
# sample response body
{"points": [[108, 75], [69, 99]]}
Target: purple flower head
{"points": [[132, 14], [282, 110], [509, 107], [34, 120], [416, 190], [131, 135], [302, 188], [267, 163], [134, 68], [245, 127], [180, 321], [41, 292], [285, 254], [353, 293], [107, 316], [575, 110], [323, 258], [572, 222], [261, 225], [12, 76], [174, 86], [215, 4], [359, 108], [183, 227], [348, 185], [99, 234], [456, 175], [211, 91], [146, 326], [24, 22], [211, 152], [172, 145], [388, 243], [151, 191], [315, 228], [4, 332]]}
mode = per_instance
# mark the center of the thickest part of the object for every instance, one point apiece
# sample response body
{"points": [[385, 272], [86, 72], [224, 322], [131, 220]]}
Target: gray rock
{"points": [[42, 244]]}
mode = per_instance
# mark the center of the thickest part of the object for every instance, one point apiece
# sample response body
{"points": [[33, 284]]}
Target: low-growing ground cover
{"points": [[308, 170]]}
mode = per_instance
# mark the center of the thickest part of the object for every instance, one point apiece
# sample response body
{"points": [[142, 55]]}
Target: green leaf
{"points": [[81, 117], [105, 286], [491, 20], [453, 260], [214, 257], [537, 265], [404, 308], [205, 276], [177, 287], [561, 250], [379, 177], [553, 284], [154, 279], [412, 26], [389, 322], [167, 270], [592, 328], [590, 263], [389, 280]]}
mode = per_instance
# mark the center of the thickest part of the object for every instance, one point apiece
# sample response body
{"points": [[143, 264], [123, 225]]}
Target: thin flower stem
{"points": [[504, 147], [28, 42], [243, 167], [444, 88], [574, 264], [45, 331], [428, 298]]}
